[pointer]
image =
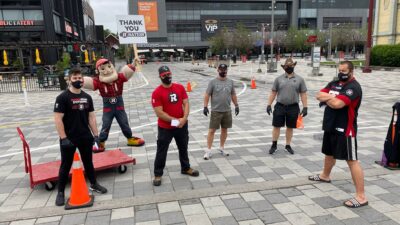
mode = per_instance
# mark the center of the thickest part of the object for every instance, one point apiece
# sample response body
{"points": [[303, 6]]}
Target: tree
{"points": [[217, 42], [242, 39]]}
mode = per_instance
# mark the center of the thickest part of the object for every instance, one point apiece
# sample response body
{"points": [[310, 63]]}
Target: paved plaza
{"points": [[249, 187]]}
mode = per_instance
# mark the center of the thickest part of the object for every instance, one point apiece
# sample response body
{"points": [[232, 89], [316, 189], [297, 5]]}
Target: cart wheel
{"points": [[122, 169], [50, 185]]}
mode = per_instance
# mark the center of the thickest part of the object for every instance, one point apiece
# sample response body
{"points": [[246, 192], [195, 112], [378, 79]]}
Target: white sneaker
{"points": [[207, 155], [223, 152]]}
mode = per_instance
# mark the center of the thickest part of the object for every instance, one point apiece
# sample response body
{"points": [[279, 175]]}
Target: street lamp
{"points": [[271, 68]]}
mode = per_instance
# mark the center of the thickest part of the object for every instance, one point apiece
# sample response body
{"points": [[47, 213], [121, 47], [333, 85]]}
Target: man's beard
{"points": [[109, 78]]}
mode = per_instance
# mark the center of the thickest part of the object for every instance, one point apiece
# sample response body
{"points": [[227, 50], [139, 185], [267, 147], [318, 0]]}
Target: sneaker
{"points": [[135, 141], [223, 152], [289, 149], [273, 149], [98, 188], [191, 172], [60, 200], [157, 181], [207, 155]]}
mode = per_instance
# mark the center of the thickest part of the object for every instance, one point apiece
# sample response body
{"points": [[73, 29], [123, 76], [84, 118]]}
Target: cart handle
{"points": [[27, 155]]}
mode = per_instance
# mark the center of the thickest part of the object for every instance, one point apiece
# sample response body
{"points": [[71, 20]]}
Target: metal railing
{"points": [[11, 83]]}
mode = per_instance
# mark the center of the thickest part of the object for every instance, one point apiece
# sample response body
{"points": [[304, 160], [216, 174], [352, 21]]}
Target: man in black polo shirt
{"points": [[76, 125], [286, 89], [342, 99]]}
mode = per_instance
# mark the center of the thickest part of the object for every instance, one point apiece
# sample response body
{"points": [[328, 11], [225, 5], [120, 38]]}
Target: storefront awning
{"points": [[168, 50], [156, 50], [181, 50], [143, 50]]}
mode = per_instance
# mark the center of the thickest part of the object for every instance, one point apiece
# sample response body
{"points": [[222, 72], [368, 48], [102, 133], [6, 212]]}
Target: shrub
{"points": [[386, 55]]}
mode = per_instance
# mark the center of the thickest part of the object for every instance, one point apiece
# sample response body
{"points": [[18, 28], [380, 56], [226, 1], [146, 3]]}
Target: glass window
{"points": [[13, 15], [57, 23], [33, 14], [20, 2]]}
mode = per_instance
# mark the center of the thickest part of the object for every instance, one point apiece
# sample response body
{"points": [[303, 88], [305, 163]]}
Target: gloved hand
{"points": [[66, 143], [205, 111], [97, 141], [236, 110], [304, 112], [269, 109]]}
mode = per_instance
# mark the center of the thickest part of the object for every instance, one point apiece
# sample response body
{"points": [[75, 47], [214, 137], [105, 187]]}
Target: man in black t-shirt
{"points": [[76, 124], [342, 99]]}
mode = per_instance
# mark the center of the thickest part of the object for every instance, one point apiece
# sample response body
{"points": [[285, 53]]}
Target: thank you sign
{"points": [[131, 29]]}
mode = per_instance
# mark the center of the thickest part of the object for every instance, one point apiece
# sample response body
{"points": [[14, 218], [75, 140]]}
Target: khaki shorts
{"points": [[223, 119]]}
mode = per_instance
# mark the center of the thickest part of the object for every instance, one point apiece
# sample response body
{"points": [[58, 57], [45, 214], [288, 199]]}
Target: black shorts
{"points": [[285, 114], [339, 146]]}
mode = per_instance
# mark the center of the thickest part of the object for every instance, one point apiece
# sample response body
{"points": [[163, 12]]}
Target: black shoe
{"points": [[98, 188], [60, 200], [273, 149], [289, 149], [157, 181]]}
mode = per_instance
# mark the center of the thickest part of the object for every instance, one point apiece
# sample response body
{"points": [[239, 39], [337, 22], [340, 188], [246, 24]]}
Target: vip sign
{"points": [[131, 29], [211, 25]]}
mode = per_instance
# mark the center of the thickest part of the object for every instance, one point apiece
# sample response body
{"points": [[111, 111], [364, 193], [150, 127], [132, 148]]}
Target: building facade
{"points": [[45, 20], [189, 24], [387, 22]]}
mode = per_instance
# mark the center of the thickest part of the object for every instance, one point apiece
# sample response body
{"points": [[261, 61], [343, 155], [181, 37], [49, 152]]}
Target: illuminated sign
{"points": [[149, 11], [68, 28], [17, 23]]}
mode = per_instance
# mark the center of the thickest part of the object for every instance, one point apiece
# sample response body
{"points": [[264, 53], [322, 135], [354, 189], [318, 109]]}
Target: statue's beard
{"points": [[109, 78]]}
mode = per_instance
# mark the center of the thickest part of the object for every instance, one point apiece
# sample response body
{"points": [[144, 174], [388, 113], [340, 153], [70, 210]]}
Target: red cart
{"points": [[47, 173]]}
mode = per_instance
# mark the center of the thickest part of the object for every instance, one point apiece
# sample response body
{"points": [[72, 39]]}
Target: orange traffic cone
{"points": [[79, 197], [253, 83], [188, 87]]}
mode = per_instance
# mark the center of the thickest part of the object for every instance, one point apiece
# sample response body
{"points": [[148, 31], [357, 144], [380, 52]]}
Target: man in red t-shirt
{"points": [[171, 105]]}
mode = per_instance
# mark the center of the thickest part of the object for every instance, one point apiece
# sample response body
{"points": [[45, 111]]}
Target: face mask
{"points": [[289, 70], [222, 74], [166, 80], [77, 84], [343, 76]]}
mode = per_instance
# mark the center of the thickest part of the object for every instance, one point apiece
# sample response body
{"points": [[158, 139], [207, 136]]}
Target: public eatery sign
{"points": [[17, 23]]}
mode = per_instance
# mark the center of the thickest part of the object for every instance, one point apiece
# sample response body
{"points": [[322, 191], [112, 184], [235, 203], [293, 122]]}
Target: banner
{"points": [[149, 11], [131, 29]]}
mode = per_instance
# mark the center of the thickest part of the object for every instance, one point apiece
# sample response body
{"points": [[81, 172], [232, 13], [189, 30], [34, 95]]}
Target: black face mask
{"points": [[289, 70], [77, 84], [166, 80], [222, 74], [343, 76]]}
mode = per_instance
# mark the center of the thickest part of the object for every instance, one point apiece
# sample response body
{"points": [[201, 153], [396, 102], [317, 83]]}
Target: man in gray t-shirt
{"points": [[287, 89], [222, 92]]}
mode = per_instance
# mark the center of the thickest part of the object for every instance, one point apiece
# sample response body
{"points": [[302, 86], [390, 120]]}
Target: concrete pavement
{"points": [[248, 187]]}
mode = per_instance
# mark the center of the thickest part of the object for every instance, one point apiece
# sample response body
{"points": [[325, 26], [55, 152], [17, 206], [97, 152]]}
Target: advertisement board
{"points": [[149, 11], [209, 27], [316, 56]]}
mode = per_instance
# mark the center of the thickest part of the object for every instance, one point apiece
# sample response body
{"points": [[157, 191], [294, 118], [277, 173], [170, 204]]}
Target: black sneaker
{"points": [[60, 200], [98, 188], [273, 149], [289, 149]]}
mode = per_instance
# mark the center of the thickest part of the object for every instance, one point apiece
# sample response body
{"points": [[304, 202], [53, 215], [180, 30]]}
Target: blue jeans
{"points": [[113, 109]]}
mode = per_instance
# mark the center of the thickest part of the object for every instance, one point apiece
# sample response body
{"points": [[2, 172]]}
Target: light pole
{"points": [[369, 41], [271, 65], [330, 42], [263, 43]]}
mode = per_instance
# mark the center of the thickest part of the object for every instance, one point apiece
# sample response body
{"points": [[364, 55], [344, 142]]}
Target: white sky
{"points": [[106, 10]]}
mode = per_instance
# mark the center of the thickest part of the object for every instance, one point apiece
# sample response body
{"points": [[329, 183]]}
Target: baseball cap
{"points": [[222, 66], [101, 62], [164, 70]]}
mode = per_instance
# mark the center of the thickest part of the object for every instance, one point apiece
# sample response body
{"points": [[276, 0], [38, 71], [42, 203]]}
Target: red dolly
{"points": [[47, 173]]}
